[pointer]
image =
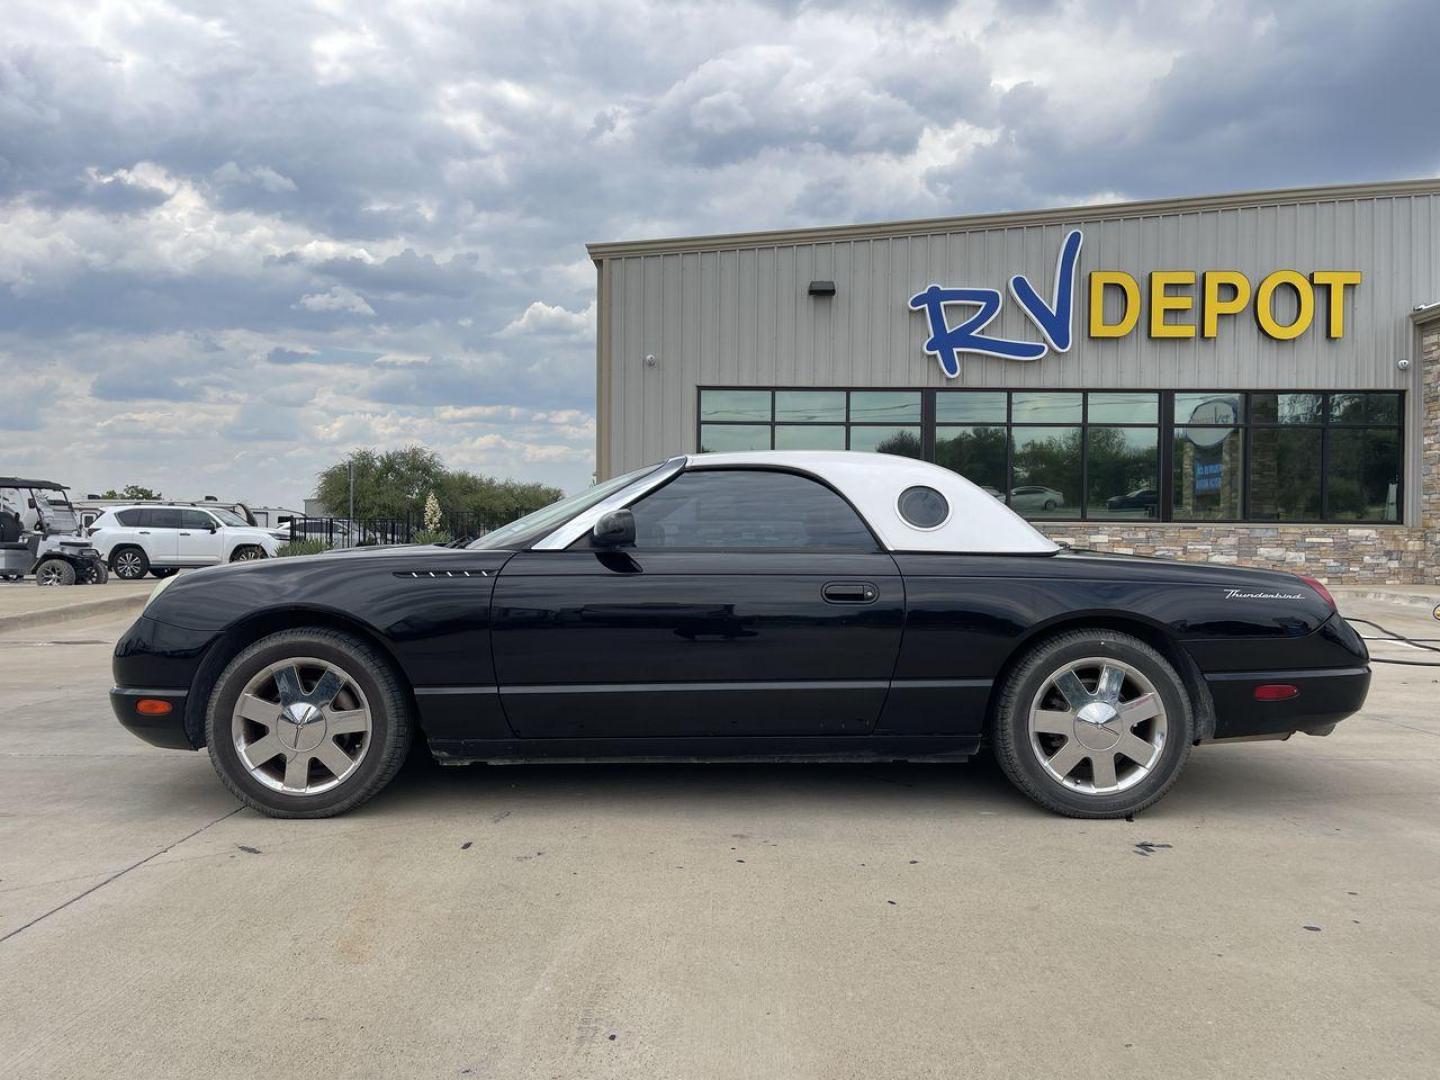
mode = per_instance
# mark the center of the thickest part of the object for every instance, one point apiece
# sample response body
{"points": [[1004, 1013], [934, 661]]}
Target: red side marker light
{"points": [[1276, 692], [149, 706]]}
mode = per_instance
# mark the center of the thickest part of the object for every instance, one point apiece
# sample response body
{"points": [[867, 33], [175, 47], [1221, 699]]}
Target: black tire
{"points": [[1049, 504], [163, 571], [1011, 736], [129, 563], [96, 573], [54, 572], [247, 553], [384, 690]]}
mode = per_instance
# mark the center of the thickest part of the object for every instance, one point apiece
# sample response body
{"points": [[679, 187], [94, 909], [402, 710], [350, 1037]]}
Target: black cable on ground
{"points": [[1416, 643]]}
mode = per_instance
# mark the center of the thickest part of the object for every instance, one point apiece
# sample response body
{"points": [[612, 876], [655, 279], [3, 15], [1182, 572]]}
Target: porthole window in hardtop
{"points": [[748, 509], [923, 507]]}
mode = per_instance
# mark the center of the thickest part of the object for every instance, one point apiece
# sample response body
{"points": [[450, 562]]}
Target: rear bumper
{"points": [[167, 730], [1326, 696]]}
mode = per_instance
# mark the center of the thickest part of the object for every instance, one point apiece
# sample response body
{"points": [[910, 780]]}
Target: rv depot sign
{"points": [[1173, 304]]}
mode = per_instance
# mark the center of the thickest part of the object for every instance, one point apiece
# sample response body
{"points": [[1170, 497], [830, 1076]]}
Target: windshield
{"points": [[547, 519], [228, 517]]}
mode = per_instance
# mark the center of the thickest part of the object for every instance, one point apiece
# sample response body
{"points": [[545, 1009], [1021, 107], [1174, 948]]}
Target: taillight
{"points": [[1319, 588]]}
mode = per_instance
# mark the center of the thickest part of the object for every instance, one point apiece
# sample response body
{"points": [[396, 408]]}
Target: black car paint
{"points": [[584, 654]]}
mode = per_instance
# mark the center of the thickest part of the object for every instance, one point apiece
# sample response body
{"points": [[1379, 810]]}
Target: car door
{"points": [[754, 603], [158, 533], [199, 539]]}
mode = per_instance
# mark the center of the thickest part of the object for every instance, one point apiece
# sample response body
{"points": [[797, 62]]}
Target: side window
{"points": [[195, 519], [129, 518], [162, 518], [748, 508]]}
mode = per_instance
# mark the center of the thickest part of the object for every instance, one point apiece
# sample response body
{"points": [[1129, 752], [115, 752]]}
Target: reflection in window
{"points": [[1285, 474], [1122, 472], [970, 407], [976, 453], [1207, 467], [1226, 455], [904, 441], [1363, 480], [735, 405], [1287, 408], [810, 405], [809, 436], [719, 438], [885, 406], [1114, 407], [1046, 471], [1045, 407]]}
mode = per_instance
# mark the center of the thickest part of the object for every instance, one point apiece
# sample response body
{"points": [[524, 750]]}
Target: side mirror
{"points": [[213, 526], [615, 529]]}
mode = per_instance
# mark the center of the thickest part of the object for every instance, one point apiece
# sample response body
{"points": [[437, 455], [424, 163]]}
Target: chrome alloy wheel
{"points": [[128, 565], [50, 574], [301, 726], [1097, 726]]}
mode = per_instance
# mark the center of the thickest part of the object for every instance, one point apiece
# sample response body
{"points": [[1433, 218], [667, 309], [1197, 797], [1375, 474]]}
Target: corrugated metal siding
{"points": [[742, 316]]}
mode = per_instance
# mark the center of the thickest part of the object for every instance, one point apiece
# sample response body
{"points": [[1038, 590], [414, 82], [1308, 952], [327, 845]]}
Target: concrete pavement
{"points": [[1274, 916]]}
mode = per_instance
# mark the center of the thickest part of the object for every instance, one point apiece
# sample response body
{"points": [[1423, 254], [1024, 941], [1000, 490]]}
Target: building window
{"points": [[1105, 455]]}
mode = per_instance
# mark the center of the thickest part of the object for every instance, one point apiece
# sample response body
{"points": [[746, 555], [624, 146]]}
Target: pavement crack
{"points": [[116, 876]]}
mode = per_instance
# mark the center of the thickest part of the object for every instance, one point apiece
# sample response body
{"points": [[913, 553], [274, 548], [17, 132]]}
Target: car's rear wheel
{"points": [[307, 723], [1094, 724], [54, 572], [130, 563]]}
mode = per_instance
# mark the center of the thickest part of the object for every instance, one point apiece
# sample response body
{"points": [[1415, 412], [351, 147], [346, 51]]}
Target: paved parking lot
{"points": [[1276, 915]]}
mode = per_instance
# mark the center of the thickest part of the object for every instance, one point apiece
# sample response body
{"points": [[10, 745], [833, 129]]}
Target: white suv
{"points": [[159, 540]]}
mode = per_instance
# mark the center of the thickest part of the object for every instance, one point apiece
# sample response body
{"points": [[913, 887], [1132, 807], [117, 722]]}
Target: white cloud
{"points": [[336, 298], [551, 320]]}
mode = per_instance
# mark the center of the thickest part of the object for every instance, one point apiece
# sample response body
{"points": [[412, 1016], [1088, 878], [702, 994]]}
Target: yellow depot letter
{"points": [[1212, 306], [1334, 281], [1161, 302], [1129, 311], [1265, 300]]}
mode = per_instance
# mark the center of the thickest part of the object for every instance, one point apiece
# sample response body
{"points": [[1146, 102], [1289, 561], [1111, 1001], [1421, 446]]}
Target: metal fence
{"points": [[339, 532]]}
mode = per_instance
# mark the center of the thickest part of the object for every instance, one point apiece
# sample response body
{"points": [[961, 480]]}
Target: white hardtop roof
{"points": [[978, 522]]}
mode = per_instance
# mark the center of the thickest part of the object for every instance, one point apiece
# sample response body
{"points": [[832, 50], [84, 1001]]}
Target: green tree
{"points": [[134, 492], [391, 483]]}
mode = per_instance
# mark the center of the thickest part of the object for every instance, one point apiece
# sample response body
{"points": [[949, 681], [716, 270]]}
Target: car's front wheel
{"points": [[307, 723], [1094, 724], [247, 553]]}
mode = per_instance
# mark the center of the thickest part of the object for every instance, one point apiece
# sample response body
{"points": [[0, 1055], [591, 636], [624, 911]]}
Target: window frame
{"points": [[1165, 427]]}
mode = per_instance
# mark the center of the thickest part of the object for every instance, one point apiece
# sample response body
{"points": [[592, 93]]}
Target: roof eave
{"points": [[1008, 219]]}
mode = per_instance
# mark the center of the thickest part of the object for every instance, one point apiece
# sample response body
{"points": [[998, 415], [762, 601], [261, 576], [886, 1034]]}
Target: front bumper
{"points": [[167, 730], [1326, 696]]}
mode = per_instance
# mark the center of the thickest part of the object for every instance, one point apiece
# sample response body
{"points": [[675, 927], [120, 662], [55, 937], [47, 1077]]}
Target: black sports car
{"points": [[761, 607]]}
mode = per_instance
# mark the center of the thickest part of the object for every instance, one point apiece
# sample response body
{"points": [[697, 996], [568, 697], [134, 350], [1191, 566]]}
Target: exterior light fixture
{"points": [[822, 288]]}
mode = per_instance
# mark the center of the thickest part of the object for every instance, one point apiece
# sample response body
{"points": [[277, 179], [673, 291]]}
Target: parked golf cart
{"points": [[40, 535]]}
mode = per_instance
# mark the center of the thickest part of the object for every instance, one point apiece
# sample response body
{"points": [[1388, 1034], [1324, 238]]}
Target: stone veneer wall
{"points": [[1335, 553]]}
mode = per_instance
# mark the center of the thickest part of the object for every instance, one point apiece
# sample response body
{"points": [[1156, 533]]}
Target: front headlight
{"points": [[160, 587]]}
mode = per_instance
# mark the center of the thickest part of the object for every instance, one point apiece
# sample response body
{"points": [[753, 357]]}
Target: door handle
{"points": [[850, 592], [184, 534], [144, 532]]}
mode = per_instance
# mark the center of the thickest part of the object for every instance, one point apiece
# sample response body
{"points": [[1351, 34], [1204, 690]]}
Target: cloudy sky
{"points": [[237, 239]]}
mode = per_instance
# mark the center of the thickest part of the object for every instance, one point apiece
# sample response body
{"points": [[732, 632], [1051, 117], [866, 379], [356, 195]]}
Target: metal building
{"points": [[1245, 378]]}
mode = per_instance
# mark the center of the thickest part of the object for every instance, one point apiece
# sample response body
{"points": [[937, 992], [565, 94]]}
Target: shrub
{"points": [[302, 547]]}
